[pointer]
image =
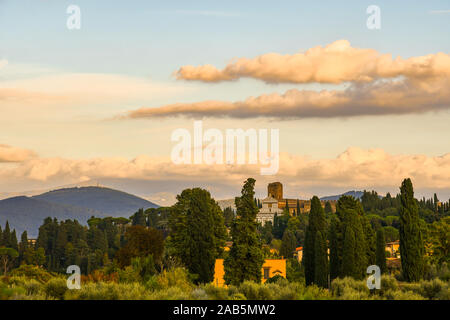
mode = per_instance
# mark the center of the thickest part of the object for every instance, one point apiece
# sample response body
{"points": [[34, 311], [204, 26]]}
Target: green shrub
{"points": [[31, 272], [171, 293], [108, 291], [350, 289], [56, 288], [217, 293]]}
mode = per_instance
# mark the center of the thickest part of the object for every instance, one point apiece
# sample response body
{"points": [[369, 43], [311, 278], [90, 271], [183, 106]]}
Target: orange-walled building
{"points": [[270, 268]]}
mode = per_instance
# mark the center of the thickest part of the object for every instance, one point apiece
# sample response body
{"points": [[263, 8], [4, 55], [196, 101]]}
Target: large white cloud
{"points": [[335, 63], [354, 168], [384, 97]]}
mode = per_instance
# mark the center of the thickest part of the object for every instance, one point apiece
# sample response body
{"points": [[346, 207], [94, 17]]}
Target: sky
{"points": [[356, 108]]}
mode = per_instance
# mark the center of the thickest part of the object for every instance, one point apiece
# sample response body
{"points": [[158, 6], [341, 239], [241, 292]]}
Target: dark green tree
{"points": [[228, 215], [411, 243], [320, 261], [317, 223], [328, 208], [139, 219], [197, 232], [6, 236], [288, 244], [335, 248], [381, 251], [245, 259]]}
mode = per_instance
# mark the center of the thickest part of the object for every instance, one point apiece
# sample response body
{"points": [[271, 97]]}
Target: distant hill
{"points": [[28, 213], [109, 201], [354, 194]]}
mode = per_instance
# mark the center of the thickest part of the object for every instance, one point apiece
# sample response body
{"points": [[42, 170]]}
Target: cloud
{"points": [[335, 63], [384, 97], [83, 88], [353, 168], [12, 154], [209, 13], [439, 11]]}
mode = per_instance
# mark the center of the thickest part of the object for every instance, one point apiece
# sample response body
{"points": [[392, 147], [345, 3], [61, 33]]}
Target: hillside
{"points": [[25, 213], [355, 194], [109, 201], [28, 213]]}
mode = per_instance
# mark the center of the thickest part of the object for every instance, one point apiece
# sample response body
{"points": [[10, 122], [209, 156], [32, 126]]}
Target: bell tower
{"points": [[275, 190]]}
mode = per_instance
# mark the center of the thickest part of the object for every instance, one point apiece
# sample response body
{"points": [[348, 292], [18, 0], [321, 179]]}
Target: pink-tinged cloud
{"points": [[354, 168], [384, 97], [337, 62], [12, 154]]}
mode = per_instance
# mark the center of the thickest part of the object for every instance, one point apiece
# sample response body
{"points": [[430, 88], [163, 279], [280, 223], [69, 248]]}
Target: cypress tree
{"points": [[349, 254], [7, 236], [1, 237], [320, 261], [335, 250], [352, 249], [288, 244], [298, 207], [139, 218], [411, 244], [328, 208], [381, 251], [13, 241], [316, 223], [245, 258]]}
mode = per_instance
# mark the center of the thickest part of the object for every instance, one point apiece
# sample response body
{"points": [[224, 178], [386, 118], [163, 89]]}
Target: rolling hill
{"points": [[28, 213], [354, 194]]}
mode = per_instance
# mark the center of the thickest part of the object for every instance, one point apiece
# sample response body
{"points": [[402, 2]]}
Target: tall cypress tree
{"points": [[320, 261], [198, 232], [298, 207], [13, 241], [381, 251], [7, 236], [335, 250], [349, 254], [351, 249], [411, 244], [288, 244], [316, 223], [245, 258]]}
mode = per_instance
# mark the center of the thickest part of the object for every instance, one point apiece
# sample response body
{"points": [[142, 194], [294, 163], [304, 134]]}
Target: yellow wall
{"points": [[275, 266]]}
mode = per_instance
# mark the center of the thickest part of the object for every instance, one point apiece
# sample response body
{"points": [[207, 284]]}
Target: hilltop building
{"points": [[268, 210], [276, 204]]}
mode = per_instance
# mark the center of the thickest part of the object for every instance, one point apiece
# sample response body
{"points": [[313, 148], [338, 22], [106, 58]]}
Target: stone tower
{"points": [[275, 190]]}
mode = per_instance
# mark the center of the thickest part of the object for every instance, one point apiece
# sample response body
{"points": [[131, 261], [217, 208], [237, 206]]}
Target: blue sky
{"points": [[147, 41]]}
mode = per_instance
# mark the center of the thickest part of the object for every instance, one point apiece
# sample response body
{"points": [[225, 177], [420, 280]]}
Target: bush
{"points": [[177, 277], [31, 272], [56, 288], [349, 289], [255, 291], [108, 291]]}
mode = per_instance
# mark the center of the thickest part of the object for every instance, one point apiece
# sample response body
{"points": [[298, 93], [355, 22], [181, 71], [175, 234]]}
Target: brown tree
{"points": [[141, 242]]}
